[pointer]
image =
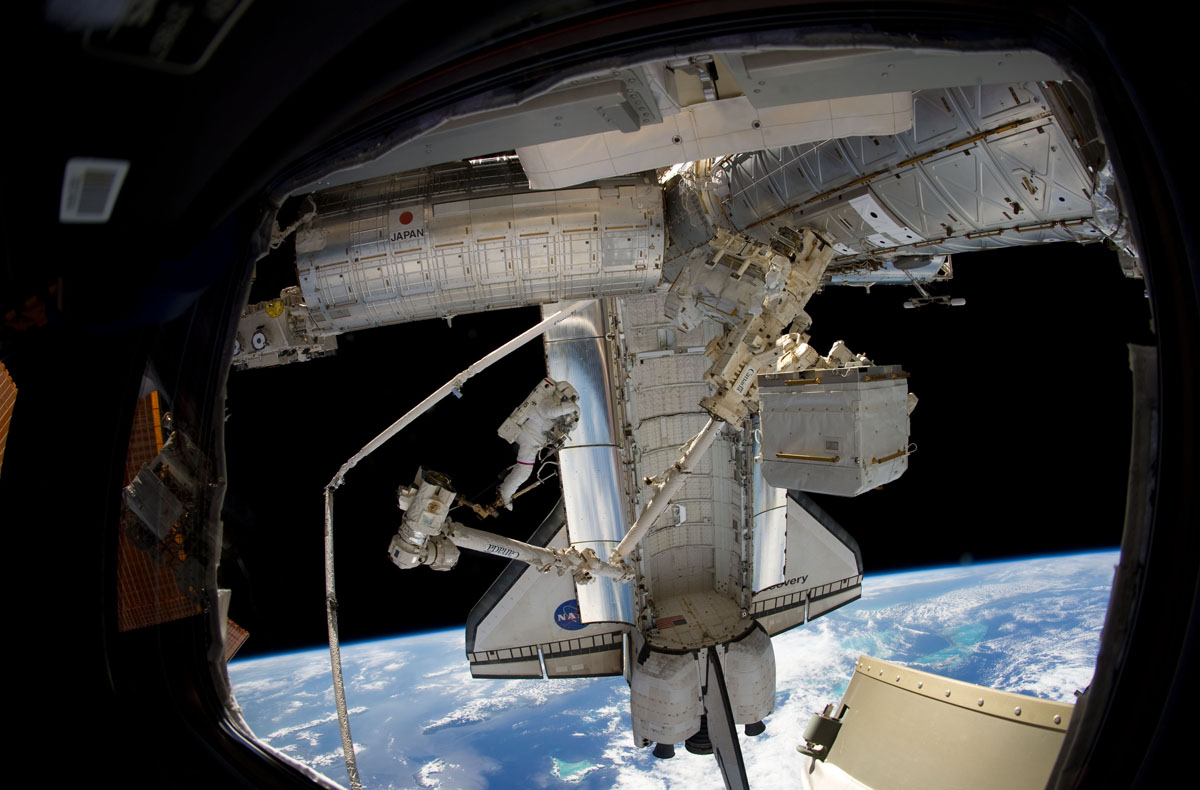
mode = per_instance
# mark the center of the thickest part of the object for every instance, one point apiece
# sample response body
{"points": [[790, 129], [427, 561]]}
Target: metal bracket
{"points": [[821, 732]]}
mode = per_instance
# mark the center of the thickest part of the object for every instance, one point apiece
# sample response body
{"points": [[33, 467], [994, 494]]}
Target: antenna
{"points": [[909, 262]]}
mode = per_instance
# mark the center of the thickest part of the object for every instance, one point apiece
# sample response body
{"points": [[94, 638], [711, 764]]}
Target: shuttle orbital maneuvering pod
{"points": [[673, 240]]}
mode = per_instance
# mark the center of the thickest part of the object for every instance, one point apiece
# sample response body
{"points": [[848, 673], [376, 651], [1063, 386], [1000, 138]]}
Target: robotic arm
{"points": [[755, 343], [752, 346], [427, 536]]}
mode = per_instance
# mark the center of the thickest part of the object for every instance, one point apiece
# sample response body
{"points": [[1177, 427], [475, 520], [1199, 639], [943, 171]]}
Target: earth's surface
{"points": [[419, 719]]}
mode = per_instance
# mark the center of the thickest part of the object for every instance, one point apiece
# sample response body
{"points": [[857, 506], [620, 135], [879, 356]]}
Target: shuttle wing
{"points": [[822, 569], [529, 620]]}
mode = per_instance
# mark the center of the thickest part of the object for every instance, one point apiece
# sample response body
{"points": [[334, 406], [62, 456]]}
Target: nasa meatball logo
{"points": [[405, 225], [566, 616]]}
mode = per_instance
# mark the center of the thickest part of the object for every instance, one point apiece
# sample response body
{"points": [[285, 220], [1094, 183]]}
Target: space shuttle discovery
{"points": [[674, 598], [674, 602], [673, 234]]}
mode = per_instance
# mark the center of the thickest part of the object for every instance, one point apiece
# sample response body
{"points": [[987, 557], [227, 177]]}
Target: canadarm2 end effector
{"points": [[428, 536], [426, 505]]}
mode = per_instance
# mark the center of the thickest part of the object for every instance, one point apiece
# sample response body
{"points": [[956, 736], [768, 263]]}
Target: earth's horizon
{"points": [[1030, 626]]}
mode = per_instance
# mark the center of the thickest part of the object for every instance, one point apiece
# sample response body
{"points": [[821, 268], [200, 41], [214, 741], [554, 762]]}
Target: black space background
{"points": [[1022, 432]]}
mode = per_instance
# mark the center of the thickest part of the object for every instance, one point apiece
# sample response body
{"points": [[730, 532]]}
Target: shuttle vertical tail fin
{"points": [[721, 729]]}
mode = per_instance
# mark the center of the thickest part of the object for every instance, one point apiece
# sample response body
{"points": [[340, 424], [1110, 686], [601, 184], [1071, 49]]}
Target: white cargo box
{"points": [[841, 431]]}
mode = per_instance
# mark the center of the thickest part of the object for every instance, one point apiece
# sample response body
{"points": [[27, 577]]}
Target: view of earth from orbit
{"points": [[420, 721]]}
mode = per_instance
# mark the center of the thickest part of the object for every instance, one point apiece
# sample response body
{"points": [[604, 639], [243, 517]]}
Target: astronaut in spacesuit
{"points": [[544, 419]]}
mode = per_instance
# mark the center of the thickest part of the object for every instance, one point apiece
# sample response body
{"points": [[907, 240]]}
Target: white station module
{"points": [[373, 257]]}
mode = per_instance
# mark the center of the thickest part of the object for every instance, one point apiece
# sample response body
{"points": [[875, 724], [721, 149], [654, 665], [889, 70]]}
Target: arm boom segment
{"points": [[583, 565]]}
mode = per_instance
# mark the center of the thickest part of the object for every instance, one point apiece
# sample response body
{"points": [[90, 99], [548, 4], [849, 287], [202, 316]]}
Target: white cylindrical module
{"points": [[373, 256], [750, 677]]}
